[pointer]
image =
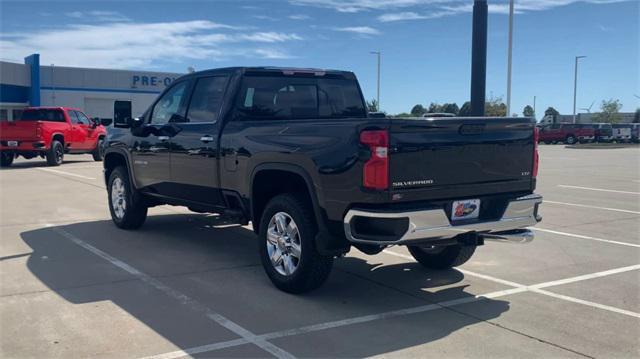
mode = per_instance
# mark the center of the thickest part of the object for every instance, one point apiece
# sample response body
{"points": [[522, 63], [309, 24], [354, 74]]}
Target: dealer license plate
{"points": [[465, 209]]}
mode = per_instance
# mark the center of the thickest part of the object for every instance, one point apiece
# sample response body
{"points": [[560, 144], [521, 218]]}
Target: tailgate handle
{"points": [[472, 129]]}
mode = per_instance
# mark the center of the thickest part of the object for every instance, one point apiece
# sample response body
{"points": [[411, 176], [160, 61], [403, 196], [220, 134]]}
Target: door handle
{"points": [[206, 139], [163, 138]]}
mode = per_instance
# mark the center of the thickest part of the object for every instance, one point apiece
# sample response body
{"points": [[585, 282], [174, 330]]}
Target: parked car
{"points": [[635, 132], [604, 132], [50, 132], [567, 133], [621, 132], [294, 152]]}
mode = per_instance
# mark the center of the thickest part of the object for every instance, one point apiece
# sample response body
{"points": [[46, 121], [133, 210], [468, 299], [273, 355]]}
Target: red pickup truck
{"points": [[567, 133], [50, 132]]}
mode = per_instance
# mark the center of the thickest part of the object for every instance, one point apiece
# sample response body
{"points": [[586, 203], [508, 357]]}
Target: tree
{"points": [[418, 110], [372, 105], [495, 108], [404, 114], [551, 112], [450, 108], [610, 111], [528, 111], [434, 108], [465, 110]]}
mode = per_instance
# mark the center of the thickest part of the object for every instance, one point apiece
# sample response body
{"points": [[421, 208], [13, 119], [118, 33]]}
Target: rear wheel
{"points": [[55, 155], [128, 210], [287, 245], [442, 257], [6, 159], [98, 152], [571, 140]]}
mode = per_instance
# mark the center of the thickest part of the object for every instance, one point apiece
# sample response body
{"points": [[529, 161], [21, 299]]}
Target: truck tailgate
{"points": [[22, 130], [456, 153]]}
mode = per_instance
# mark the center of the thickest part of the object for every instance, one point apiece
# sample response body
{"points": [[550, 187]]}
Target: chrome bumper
{"points": [[434, 224]]}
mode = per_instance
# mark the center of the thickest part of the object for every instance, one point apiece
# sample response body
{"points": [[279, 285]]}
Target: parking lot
{"points": [[73, 285]]}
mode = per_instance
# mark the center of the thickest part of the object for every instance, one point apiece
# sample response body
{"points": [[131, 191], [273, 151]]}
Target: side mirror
{"points": [[94, 122], [135, 122], [106, 121]]}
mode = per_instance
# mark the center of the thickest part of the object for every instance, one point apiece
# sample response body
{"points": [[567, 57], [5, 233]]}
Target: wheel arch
{"points": [[113, 159], [271, 179]]}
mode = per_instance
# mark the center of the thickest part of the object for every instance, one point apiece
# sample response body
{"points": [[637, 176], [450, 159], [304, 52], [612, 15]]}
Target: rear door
{"points": [[194, 154]]}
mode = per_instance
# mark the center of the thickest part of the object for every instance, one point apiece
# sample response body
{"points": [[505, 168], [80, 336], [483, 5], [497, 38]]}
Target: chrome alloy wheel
{"points": [[118, 199], [283, 243]]}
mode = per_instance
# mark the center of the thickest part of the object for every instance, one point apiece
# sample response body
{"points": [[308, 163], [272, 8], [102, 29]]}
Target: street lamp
{"points": [[510, 51], [575, 86], [378, 53]]}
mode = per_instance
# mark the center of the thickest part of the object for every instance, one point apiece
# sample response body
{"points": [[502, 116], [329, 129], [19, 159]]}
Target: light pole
{"points": [[510, 51], [575, 86], [378, 53]]}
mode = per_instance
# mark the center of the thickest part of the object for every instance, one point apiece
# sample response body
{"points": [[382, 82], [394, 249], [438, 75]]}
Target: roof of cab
{"points": [[275, 70]]}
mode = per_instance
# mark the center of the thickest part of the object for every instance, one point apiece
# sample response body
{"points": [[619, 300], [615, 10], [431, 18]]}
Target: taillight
{"points": [[375, 174], [38, 130], [536, 157]]}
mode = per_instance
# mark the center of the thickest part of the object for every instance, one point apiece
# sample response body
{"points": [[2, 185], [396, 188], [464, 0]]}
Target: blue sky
{"points": [[425, 43]]}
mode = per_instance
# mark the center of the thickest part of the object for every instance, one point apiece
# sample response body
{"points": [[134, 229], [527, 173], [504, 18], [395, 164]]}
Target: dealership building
{"points": [[98, 92]]}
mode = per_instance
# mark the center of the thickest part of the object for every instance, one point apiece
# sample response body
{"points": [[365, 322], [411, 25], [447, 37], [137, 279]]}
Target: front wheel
{"points": [[98, 152], [287, 245], [6, 159], [442, 257], [128, 210]]}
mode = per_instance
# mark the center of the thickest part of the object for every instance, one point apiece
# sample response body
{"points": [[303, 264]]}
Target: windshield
{"points": [[42, 115], [299, 98]]}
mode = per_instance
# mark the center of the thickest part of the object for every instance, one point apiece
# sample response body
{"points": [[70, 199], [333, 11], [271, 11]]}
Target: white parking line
{"points": [[537, 287], [182, 298], [519, 288], [594, 207], [596, 189], [585, 237], [65, 173]]}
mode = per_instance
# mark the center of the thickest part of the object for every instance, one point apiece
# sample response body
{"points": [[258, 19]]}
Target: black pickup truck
{"points": [[294, 152]]}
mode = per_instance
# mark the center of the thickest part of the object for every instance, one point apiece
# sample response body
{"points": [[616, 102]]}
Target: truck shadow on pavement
{"points": [[220, 269], [36, 163]]}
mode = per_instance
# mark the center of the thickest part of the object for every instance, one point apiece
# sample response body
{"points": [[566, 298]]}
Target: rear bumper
{"points": [[23, 146], [433, 224]]}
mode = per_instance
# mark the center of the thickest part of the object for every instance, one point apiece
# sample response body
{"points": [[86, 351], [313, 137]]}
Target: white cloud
{"points": [[129, 44], [361, 30], [98, 15], [299, 17], [441, 8], [363, 5]]}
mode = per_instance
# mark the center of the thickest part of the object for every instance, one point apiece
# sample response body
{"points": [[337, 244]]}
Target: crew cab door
{"points": [[194, 150], [76, 136], [86, 132], [150, 151]]}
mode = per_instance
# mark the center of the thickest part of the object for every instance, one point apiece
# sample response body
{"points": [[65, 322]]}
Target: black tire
{"points": [[312, 269], [570, 140], [98, 152], [55, 155], [134, 212], [6, 159], [442, 257]]}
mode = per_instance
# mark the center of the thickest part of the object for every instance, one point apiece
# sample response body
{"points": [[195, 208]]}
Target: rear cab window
{"points": [[50, 115], [291, 97]]}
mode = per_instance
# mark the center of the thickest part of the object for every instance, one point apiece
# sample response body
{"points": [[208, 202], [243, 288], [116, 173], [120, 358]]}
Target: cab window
{"points": [[207, 99], [168, 108]]}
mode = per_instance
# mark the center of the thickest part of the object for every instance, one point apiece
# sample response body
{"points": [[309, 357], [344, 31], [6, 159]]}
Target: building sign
{"points": [[151, 81]]}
